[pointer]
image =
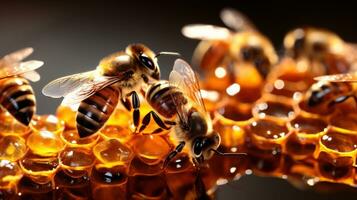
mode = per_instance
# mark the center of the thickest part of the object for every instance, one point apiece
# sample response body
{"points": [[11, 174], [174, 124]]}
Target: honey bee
{"points": [[331, 90], [96, 93], [16, 94], [243, 45], [180, 99], [322, 47]]}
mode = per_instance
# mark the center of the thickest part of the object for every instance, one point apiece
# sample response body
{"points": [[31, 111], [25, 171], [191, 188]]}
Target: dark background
{"points": [[72, 37]]}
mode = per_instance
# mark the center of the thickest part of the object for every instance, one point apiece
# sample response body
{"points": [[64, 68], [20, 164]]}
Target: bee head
{"points": [[202, 146], [146, 60]]}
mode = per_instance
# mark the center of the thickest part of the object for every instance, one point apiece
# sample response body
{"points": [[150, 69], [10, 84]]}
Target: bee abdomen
{"points": [[17, 97], [94, 111], [164, 98]]}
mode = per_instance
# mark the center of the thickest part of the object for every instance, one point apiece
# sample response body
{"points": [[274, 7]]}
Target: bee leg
{"points": [[135, 101], [173, 153], [171, 123], [157, 119]]}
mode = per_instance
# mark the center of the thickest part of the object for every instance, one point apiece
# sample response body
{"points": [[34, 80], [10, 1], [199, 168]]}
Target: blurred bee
{"points": [[179, 99], [331, 90], [118, 76], [244, 45], [320, 46], [16, 94]]}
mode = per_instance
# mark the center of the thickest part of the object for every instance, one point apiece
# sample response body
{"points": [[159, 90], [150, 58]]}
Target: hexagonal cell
{"points": [[40, 169], [45, 143], [339, 140], [10, 173], [300, 147], [147, 187], [49, 123], [113, 153], [12, 148], [235, 111], [123, 134], [76, 162], [273, 109], [71, 139], [151, 149], [335, 168], [307, 125]]}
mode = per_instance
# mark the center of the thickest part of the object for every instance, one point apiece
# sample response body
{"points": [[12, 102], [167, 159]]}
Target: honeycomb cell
{"points": [[267, 134], [209, 54], [273, 109], [76, 162], [300, 147], [339, 140], [48, 123], [67, 115], [307, 125], [265, 161], [123, 134], [10, 126], [109, 183], [120, 117], [40, 169], [45, 143], [236, 111], [151, 149], [71, 139], [335, 168], [12, 148], [30, 189], [112, 153], [10, 173]]}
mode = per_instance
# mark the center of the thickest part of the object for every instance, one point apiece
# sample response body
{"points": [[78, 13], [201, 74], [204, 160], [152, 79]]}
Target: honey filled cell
{"points": [[123, 134], [30, 189], [39, 169], [45, 143], [345, 120], [67, 115], [147, 187], [109, 183], [150, 152], [10, 174], [112, 153], [69, 187], [76, 162], [12, 148], [273, 108]]}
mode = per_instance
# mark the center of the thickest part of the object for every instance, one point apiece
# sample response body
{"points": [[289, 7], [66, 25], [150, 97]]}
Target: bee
{"points": [[180, 101], [243, 45], [322, 47], [331, 90], [118, 77], [16, 94]]}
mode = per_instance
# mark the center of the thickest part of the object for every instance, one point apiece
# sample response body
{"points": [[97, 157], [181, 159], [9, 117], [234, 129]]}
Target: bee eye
{"points": [[197, 147], [146, 61]]}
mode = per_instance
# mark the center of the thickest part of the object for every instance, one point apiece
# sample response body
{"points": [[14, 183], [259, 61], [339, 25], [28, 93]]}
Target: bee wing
{"points": [[236, 20], [18, 55], [348, 77], [183, 77], [205, 32], [32, 76], [18, 68], [77, 87]]}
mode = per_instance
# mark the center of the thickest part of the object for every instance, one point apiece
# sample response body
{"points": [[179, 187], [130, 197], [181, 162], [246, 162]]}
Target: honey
{"points": [[12, 148]]}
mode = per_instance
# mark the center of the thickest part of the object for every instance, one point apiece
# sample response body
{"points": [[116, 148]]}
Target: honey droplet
{"points": [[72, 139], [77, 162], [45, 143], [12, 148], [49, 123], [67, 115]]}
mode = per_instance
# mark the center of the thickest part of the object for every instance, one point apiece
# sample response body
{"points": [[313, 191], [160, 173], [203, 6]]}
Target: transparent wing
{"points": [[19, 55], [77, 87], [236, 20], [183, 77], [17, 68], [32, 76], [205, 32], [349, 77]]}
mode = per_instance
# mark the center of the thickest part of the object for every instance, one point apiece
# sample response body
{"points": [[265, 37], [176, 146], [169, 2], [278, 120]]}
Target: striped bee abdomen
{"points": [[17, 97], [94, 111], [164, 98]]}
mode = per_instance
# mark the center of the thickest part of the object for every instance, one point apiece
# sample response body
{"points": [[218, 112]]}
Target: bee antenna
{"points": [[168, 53], [227, 154]]}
